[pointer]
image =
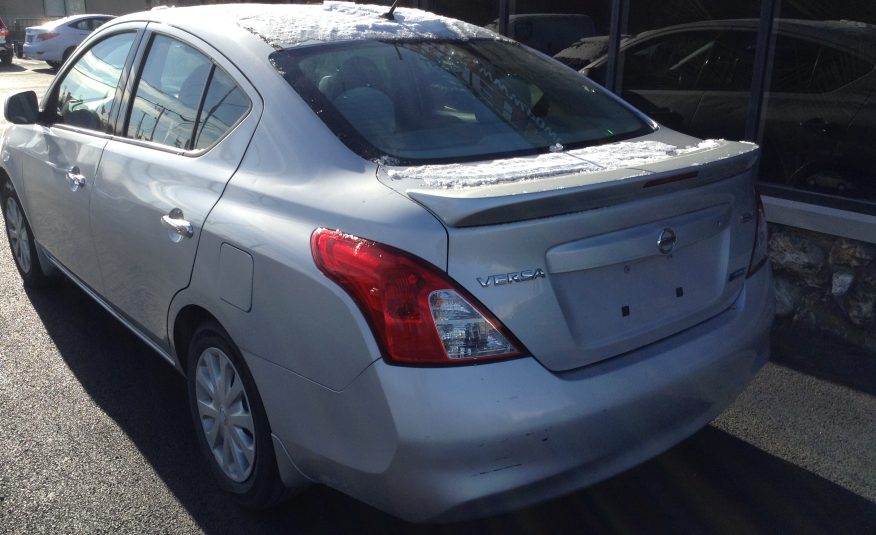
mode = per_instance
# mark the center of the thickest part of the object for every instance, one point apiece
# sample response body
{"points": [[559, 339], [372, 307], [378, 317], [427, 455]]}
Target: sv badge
{"points": [[507, 278]]}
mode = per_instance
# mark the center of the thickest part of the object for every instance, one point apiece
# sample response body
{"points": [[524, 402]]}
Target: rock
{"points": [[800, 256], [825, 315], [851, 253], [841, 282], [860, 305], [788, 296]]}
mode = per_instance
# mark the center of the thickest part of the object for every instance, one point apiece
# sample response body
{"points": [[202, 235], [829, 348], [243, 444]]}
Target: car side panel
{"points": [[138, 184], [59, 213], [297, 177]]}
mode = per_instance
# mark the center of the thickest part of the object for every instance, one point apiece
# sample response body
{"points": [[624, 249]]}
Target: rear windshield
{"points": [[417, 102]]}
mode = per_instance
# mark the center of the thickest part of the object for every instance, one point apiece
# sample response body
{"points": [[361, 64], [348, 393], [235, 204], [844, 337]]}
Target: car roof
{"points": [[289, 25], [841, 33], [74, 18]]}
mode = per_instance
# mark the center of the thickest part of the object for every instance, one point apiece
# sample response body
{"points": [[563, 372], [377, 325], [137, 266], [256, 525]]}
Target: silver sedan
{"points": [[393, 253]]}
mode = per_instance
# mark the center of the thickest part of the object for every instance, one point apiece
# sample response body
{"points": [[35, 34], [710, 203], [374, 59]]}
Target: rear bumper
{"points": [[40, 51], [444, 444]]}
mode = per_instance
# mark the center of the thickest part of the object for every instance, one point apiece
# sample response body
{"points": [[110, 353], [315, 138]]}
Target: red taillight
{"points": [[417, 313], [46, 36], [4, 32], [760, 251]]}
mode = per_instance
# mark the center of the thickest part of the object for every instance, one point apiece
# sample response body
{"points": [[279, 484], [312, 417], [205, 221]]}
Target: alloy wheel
{"points": [[16, 230], [225, 415]]}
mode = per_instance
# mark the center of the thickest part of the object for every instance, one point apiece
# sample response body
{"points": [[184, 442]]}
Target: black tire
{"points": [[54, 65], [6, 56], [66, 55], [20, 238], [261, 487]]}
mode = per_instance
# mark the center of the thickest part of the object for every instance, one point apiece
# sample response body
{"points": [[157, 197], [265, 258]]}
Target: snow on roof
{"points": [[284, 26], [624, 154]]}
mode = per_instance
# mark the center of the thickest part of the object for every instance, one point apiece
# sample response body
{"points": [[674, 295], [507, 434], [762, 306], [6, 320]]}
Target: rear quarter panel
{"points": [[296, 177]]}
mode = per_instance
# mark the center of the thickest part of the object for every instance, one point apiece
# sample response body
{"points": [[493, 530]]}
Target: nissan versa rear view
{"points": [[393, 253]]}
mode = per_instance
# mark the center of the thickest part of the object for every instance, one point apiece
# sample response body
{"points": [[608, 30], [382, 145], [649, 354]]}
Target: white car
{"points": [[54, 41]]}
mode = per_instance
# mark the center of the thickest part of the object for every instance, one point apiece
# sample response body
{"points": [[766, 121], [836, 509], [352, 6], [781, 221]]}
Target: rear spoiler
{"points": [[556, 195]]}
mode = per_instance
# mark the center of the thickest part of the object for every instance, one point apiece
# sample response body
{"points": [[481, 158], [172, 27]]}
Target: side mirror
{"points": [[22, 108]]}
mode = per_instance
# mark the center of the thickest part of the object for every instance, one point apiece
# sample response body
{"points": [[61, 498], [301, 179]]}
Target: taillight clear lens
{"points": [[465, 332], [46, 36], [417, 313], [760, 251]]}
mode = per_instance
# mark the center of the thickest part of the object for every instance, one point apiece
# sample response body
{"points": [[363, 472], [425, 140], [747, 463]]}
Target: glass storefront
{"points": [[796, 76], [819, 110]]}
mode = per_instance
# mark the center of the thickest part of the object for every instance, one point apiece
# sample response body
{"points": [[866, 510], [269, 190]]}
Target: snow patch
{"points": [[587, 160], [284, 26]]}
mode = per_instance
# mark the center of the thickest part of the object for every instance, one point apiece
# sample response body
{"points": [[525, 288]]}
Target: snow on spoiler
{"points": [[517, 189]]}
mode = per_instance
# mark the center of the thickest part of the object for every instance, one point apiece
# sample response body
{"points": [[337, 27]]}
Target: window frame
{"points": [[767, 29], [217, 59], [49, 102]]}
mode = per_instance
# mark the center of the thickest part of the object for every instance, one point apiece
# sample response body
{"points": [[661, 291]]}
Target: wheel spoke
{"points": [[243, 421], [207, 410], [243, 453], [204, 380], [211, 432], [227, 459], [235, 392], [226, 379]]}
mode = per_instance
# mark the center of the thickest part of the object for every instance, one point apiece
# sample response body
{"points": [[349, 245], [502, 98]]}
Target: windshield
{"points": [[415, 102]]}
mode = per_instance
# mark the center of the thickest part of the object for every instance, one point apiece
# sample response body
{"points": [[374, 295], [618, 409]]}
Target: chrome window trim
{"points": [[92, 40], [215, 57]]}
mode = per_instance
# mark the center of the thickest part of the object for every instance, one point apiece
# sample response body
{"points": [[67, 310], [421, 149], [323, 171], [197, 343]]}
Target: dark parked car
{"points": [[548, 32], [820, 113], [6, 49], [585, 51]]}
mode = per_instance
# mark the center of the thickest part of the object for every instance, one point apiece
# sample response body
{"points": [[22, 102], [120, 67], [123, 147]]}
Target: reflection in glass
{"points": [[224, 105], [85, 95], [445, 101], [820, 109], [168, 94]]}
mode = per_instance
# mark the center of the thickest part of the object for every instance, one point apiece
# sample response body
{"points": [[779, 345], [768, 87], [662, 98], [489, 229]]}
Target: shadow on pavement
{"points": [[11, 68], [713, 482], [824, 357]]}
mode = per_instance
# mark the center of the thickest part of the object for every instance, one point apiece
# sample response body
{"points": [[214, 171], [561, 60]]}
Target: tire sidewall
{"points": [[34, 277], [256, 489]]}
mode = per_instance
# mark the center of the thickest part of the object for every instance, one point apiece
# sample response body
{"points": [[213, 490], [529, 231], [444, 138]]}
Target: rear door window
{"points": [[168, 94], [224, 105]]}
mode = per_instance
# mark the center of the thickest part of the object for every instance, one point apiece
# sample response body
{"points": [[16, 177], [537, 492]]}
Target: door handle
{"points": [[177, 227], [75, 180]]}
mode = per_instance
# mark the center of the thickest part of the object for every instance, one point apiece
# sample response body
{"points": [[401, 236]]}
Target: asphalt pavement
{"points": [[95, 436]]}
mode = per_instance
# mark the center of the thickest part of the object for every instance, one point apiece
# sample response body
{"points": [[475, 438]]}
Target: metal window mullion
{"points": [[504, 16], [614, 35], [192, 139], [768, 10]]}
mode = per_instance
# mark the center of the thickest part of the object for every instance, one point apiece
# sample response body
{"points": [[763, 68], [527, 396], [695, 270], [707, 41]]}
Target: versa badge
{"points": [[507, 278]]}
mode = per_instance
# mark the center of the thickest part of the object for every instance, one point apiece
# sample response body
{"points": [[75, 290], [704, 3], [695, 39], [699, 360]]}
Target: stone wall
{"points": [[825, 283]]}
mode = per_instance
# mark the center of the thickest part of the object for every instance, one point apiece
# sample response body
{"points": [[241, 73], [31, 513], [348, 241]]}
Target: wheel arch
{"points": [[185, 323]]}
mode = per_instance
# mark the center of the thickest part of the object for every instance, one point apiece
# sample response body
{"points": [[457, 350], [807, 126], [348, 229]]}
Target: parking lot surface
{"points": [[95, 436]]}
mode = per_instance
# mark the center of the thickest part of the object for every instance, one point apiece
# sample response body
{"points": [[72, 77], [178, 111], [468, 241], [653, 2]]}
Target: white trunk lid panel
{"points": [[607, 287]]}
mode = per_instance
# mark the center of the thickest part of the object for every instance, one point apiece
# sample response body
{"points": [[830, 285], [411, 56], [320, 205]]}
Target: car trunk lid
{"points": [[583, 266]]}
